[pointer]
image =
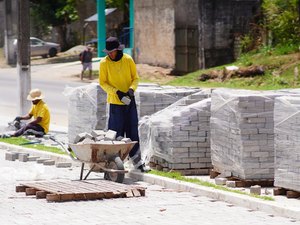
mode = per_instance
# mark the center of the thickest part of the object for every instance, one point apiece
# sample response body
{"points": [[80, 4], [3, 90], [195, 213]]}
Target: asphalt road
{"points": [[52, 79]]}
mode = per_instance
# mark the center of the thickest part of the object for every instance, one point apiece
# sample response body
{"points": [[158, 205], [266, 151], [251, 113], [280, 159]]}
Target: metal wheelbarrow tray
{"points": [[101, 157]]}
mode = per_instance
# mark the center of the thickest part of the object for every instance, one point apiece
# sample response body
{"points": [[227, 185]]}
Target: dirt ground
{"points": [[147, 72]]}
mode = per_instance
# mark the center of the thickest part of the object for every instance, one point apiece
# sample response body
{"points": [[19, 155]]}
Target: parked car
{"points": [[42, 48]]}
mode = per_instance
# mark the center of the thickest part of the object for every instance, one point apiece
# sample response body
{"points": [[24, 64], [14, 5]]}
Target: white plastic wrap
{"points": [[86, 109], [153, 98], [177, 137], [242, 133], [287, 142]]}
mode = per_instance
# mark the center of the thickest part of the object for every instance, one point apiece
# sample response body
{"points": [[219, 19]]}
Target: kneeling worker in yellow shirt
{"points": [[40, 113]]}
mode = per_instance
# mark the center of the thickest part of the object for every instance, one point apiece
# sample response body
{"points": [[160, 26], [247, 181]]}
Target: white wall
{"points": [[154, 32]]}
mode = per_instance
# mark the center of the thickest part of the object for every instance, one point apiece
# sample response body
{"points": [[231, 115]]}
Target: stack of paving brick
{"points": [[287, 142], [86, 109], [178, 137], [242, 133], [153, 98]]}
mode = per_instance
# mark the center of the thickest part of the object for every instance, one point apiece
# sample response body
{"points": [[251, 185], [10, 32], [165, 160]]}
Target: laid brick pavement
{"points": [[159, 206]]}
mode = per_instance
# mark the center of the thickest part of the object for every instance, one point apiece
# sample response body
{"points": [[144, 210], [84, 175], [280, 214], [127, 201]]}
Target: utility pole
{"points": [[10, 30], [23, 56]]}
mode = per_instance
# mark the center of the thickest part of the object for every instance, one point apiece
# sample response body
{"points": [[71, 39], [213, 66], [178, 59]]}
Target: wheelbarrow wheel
{"points": [[117, 164]]}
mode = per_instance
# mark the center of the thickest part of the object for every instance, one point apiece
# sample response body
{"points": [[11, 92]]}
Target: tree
{"points": [[56, 13], [60, 13], [120, 4], [299, 9], [282, 19]]}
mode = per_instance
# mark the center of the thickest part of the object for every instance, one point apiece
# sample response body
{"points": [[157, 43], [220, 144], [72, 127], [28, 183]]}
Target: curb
{"points": [[240, 200]]}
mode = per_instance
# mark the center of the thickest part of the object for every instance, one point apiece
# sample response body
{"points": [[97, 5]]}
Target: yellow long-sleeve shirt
{"points": [[120, 75], [41, 110]]}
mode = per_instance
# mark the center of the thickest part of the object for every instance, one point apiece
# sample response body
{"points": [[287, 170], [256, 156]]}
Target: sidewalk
{"points": [[282, 206]]}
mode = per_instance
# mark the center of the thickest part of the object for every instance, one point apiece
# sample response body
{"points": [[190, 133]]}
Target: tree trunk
{"points": [[62, 36], [299, 10]]}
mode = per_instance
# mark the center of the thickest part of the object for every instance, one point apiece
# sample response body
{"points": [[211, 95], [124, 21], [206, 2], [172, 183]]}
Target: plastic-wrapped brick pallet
{"points": [[178, 136], [242, 133], [287, 142], [153, 98], [86, 109], [87, 106]]}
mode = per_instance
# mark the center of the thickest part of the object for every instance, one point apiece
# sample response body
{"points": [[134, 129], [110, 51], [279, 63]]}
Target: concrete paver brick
{"points": [[63, 164], [230, 183], [80, 137], [126, 140], [49, 162], [41, 160], [256, 190], [220, 180], [96, 133], [11, 156], [110, 135], [32, 158], [23, 157]]}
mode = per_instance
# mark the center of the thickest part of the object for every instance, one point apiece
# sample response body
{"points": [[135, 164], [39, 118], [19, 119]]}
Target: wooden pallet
{"points": [[184, 172], [289, 193], [248, 183], [245, 182], [59, 191], [191, 172], [213, 174]]}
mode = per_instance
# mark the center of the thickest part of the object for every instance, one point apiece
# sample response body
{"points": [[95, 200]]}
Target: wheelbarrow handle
{"points": [[67, 150]]}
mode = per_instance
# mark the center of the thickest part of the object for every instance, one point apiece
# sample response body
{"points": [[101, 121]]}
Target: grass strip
{"points": [[19, 141], [178, 176]]}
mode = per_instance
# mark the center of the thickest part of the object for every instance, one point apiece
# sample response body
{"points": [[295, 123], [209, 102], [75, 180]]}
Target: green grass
{"points": [[178, 176], [278, 64], [20, 140]]}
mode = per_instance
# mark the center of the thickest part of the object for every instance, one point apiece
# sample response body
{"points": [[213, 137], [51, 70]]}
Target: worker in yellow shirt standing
{"points": [[40, 113], [118, 77]]}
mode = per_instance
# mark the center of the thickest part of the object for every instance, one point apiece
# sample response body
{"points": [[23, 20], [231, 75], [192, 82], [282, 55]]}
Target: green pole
{"points": [[131, 23], [101, 27]]}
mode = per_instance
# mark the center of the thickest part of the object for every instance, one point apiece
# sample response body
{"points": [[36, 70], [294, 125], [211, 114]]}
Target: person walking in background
{"points": [[41, 117], [86, 57], [118, 77]]}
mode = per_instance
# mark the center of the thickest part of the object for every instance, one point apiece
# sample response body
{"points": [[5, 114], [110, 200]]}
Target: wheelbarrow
{"points": [[101, 157]]}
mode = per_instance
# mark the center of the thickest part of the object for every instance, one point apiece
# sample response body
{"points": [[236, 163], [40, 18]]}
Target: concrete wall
{"points": [[154, 32], [186, 13], [190, 34], [186, 36], [222, 22]]}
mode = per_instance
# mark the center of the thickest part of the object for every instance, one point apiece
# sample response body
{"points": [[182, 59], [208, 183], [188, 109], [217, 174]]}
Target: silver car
{"points": [[42, 48]]}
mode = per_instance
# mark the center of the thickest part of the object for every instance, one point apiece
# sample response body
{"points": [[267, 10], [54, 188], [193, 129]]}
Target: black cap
{"points": [[111, 44]]}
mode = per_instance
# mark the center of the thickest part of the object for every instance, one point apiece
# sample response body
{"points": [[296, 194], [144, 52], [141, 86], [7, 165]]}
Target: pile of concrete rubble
{"points": [[100, 137]]}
